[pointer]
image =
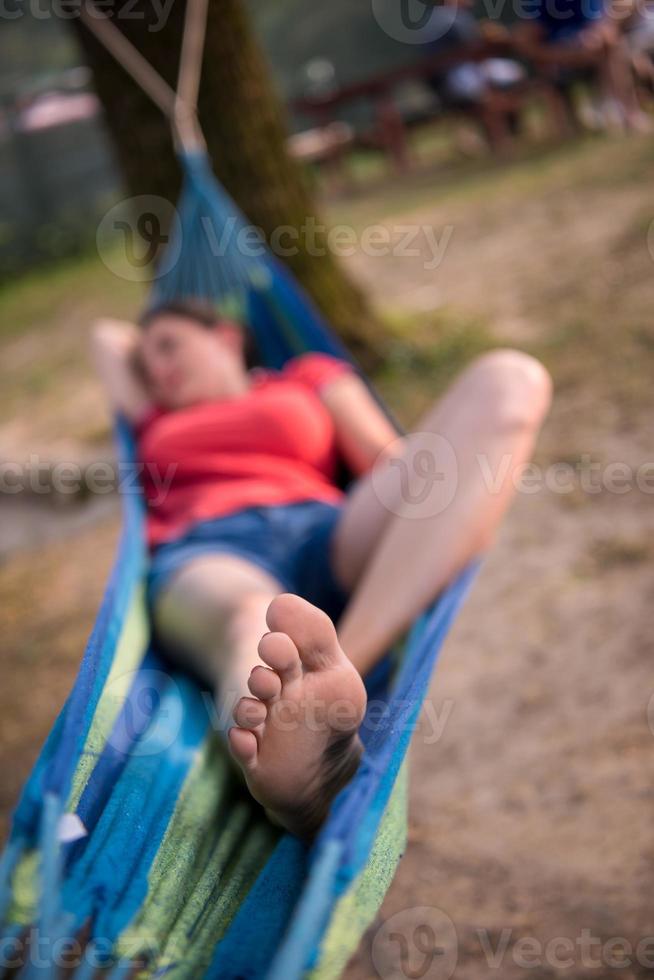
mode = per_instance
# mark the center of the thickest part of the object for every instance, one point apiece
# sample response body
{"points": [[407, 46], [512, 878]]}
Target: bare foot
{"points": [[296, 739]]}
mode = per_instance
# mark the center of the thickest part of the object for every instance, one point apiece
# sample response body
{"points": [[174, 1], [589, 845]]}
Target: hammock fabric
{"points": [[132, 828]]}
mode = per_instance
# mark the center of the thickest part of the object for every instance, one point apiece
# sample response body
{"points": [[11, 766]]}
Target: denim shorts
{"points": [[291, 542]]}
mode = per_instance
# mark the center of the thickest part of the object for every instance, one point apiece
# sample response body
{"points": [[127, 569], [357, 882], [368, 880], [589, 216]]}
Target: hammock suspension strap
{"points": [[180, 105]]}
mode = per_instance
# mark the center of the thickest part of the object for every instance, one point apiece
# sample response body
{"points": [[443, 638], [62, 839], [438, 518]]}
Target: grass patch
{"points": [[586, 162], [424, 354], [616, 552], [41, 298]]}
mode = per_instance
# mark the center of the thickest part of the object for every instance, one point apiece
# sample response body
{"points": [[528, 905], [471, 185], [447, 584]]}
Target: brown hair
{"points": [[187, 309], [203, 313]]}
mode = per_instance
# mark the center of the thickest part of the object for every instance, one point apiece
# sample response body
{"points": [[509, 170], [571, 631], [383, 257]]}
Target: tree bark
{"points": [[245, 128]]}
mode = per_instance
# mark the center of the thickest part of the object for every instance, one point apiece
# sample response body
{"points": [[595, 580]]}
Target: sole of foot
{"points": [[296, 738]]}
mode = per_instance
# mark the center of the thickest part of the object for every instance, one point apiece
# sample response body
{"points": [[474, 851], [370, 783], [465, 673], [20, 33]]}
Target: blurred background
{"points": [[489, 180]]}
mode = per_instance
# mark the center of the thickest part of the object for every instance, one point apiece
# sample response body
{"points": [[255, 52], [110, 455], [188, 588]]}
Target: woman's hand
{"points": [[115, 347]]}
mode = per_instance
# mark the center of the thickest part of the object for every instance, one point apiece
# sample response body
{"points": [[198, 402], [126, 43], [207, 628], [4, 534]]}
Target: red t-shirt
{"points": [[274, 445]]}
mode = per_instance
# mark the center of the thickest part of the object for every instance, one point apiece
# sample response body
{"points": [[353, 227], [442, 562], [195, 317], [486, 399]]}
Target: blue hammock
{"points": [[132, 827]]}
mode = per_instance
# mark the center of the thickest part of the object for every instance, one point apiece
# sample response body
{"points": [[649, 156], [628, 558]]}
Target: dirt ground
{"points": [[531, 851]]}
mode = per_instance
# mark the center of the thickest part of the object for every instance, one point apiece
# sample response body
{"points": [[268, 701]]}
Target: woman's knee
{"points": [[514, 389]]}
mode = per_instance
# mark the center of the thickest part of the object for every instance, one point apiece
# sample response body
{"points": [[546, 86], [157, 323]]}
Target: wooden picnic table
{"points": [[380, 88]]}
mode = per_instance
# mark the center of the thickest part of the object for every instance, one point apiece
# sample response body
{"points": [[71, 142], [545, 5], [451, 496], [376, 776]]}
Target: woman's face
{"points": [[186, 362]]}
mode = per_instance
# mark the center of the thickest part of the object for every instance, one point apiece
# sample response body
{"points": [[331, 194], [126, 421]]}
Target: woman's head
{"points": [[191, 355]]}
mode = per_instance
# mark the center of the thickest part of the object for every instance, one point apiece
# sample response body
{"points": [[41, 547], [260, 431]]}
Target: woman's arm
{"points": [[362, 429], [115, 350]]}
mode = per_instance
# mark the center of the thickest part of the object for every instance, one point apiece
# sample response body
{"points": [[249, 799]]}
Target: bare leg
{"points": [[562, 111], [211, 618], [494, 120], [296, 698], [620, 85], [408, 529]]}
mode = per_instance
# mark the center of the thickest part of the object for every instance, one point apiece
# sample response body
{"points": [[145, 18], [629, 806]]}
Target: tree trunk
{"points": [[245, 129]]}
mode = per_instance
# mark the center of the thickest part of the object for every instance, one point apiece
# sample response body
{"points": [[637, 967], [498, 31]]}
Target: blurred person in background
{"points": [[639, 36], [573, 42], [481, 88]]}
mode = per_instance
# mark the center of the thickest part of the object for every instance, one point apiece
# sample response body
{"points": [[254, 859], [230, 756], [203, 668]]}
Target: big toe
{"points": [[310, 629]]}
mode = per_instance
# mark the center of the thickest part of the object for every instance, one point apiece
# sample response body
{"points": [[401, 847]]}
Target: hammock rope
{"points": [[190, 73], [178, 106]]}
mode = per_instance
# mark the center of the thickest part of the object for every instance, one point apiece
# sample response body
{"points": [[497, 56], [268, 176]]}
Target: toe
{"points": [[279, 652], [243, 746], [250, 713], [310, 629], [264, 684]]}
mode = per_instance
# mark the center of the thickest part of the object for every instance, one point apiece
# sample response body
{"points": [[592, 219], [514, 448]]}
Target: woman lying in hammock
{"points": [[256, 553]]}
